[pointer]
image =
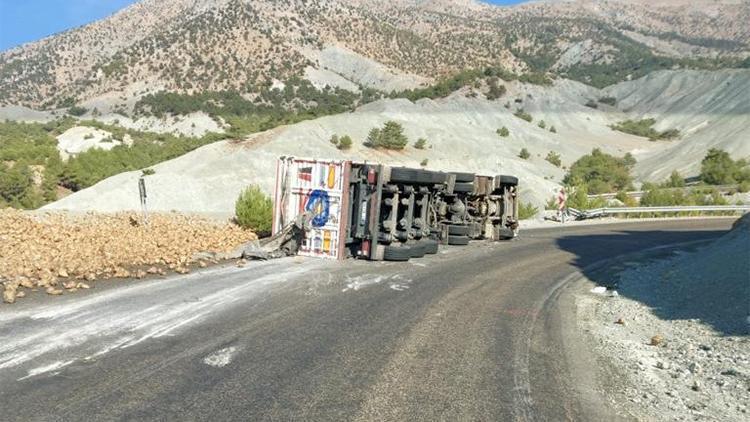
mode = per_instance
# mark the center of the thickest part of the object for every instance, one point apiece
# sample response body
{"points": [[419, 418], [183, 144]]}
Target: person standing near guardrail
{"points": [[562, 199]]}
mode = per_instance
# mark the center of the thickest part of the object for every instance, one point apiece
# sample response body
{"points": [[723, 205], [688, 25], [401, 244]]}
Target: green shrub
{"points": [[503, 131], [608, 100], [521, 114], [542, 124], [578, 198], [345, 142], [601, 173], [254, 211], [496, 91], [524, 154], [554, 159], [148, 172], [592, 104], [77, 111], [644, 128], [421, 143], [391, 136], [675, 180], [552, 129], [334, 140], [718, 168], [424, 163], [527, 210], [15, 183]]}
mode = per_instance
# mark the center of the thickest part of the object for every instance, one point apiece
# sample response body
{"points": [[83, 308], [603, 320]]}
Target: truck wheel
{"points": [[417, 250], [430, 246], [397, 253], [403, 175], [439, 177], [458, 230], [424, 176], [458, 240], [463, 187], [463, 177], [507, 180]]}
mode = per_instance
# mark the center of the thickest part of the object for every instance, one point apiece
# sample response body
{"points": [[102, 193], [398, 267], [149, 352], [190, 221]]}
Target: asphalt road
{"points": [[473, 333]]}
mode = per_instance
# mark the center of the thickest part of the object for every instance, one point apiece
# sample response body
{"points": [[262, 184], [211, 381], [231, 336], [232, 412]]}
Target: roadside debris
{"points": [[656, 340], [685, 354], [57, 253]]}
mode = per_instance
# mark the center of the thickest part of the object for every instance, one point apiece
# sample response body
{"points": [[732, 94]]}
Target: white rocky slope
{"points": [[461, 136], [711, 109]]}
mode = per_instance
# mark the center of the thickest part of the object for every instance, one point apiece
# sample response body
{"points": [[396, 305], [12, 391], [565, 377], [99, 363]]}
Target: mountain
{"points": [[193, 46], [709, 107]]}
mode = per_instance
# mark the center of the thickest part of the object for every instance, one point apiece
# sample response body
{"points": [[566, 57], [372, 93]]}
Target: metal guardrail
{"points": [[599, 212], [639, 193]]}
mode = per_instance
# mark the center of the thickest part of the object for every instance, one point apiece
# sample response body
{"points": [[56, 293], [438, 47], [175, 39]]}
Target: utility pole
{"points": [[144, 205]]}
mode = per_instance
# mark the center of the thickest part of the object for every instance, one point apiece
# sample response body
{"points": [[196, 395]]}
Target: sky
{"points": [[23, 21]]}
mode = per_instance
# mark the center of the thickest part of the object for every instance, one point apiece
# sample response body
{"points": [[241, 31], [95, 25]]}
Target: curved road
{"points": [[473, 333]]}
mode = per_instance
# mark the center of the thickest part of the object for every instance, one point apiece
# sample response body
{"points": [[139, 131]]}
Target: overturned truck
{"points": [[378, 212]]}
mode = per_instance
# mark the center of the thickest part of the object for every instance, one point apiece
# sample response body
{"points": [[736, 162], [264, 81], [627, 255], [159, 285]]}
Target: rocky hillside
{"points": [[190, 46], [462, 134]]}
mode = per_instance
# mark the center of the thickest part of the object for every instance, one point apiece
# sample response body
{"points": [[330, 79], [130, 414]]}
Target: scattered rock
{"points": [[54, 291], [731, 372], [121, 273], [695, 368], [63, 273], [241, 263], [82, 285], [9, 294], [182, 270], [696, 385], [20, 294], [71, 284], [202, 264], [27, 283], [140, 274], [620, 321], [704, 347], [600, 290], [662, 365], [657, 340], [153, 270]]}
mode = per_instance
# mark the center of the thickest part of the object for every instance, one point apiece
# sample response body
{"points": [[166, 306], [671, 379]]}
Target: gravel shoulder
{"points": [[674, 338]]}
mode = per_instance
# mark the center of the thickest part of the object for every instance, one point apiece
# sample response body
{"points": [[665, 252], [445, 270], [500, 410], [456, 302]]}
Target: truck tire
{"points": [[424, 177], [458, 230], [463, 187], [403, 175], [463, 177], [430, 246], [397, 253], [439, 177], [507, 180], [458, 240], [417, 249]]}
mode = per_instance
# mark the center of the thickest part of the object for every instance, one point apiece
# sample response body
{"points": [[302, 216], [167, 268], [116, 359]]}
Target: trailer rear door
{"points": [[318, 186]]}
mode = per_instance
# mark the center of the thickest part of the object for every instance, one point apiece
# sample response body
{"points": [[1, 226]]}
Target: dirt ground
{"points": [[676, 330]]}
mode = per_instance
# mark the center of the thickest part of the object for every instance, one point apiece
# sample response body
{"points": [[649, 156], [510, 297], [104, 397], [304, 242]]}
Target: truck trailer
{"points": [[378, 212]]}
